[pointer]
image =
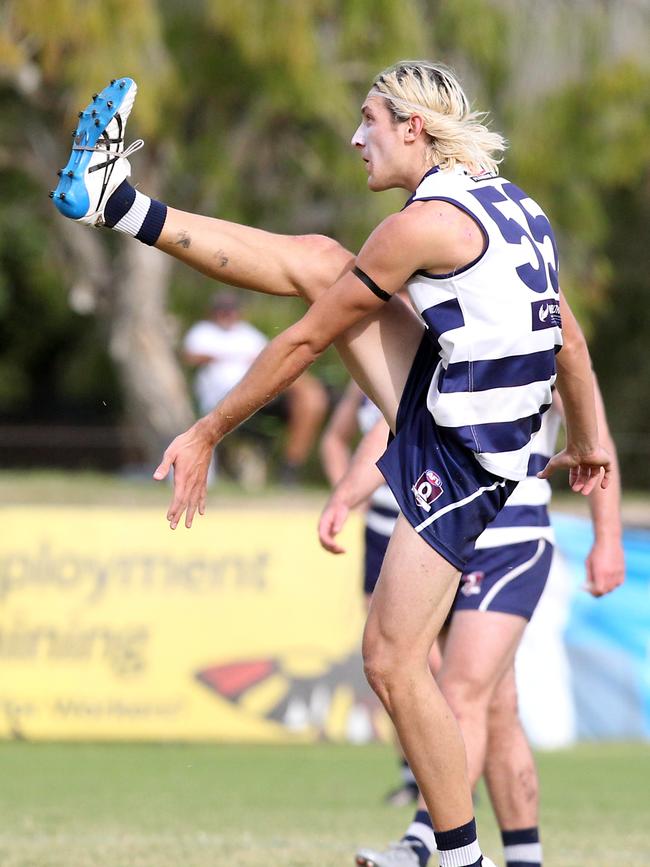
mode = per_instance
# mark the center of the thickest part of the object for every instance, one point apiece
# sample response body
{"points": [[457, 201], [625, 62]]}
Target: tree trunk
{"points": [[155, 390]]}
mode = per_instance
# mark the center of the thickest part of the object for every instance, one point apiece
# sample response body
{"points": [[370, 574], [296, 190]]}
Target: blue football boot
{"points": [[98, 162]]}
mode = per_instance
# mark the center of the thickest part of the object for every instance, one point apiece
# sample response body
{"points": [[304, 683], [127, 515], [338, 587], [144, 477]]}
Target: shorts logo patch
{"points": [[470, 583], [427, 489]]}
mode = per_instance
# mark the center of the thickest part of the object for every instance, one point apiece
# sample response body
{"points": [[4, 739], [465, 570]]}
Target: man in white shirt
{"points": [[223, 347]]}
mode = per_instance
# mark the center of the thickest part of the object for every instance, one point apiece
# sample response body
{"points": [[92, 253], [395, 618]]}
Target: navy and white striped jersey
{"points": [[496, 322], [525, 514], [383, 508]]}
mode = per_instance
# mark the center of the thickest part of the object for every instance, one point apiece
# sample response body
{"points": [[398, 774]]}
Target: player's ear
{"points": [[414, 127]]}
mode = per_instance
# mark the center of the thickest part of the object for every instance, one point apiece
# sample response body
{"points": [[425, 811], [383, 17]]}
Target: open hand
{"points": [[586, 470], [189, 455], [331, 523]]}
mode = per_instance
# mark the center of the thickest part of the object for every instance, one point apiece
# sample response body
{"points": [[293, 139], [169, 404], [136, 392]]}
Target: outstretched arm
{"points": [[360, 481], [583, 455], [391, 254], [606, 562]]}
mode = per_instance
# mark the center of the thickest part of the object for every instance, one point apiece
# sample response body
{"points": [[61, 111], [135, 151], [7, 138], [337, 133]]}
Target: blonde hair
{"points": [[456, 133]]}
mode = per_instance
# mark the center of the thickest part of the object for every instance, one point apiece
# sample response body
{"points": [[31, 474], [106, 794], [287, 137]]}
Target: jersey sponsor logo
{"points": [[427, 489], [546, 314], [470, 583]]}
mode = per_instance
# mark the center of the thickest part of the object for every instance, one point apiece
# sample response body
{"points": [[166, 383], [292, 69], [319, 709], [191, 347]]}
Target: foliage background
{"points": [[246, 109]]}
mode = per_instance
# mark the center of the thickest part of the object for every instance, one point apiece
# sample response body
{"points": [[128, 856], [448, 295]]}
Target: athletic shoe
{"points": [[400, 854], [98, 163], [403, 796]]}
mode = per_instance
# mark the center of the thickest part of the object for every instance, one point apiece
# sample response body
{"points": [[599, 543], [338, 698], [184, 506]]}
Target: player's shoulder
{"points": [[427, 235], [428, 219], [416, 219]]}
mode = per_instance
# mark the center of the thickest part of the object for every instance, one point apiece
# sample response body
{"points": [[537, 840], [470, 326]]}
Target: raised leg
{"points": [[378, 352], [93, 189], [253, 258]]}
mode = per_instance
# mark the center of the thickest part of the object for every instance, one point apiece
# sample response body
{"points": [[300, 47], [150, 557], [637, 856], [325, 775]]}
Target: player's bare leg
{"points": [[511, 774], [378, 352], [307, 407], [408, 609], [510, 771], [479, 649], [253, 258], [94, 189]]}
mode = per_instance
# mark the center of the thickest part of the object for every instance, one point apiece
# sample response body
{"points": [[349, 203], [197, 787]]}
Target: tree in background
{"points": [[242, 125], [246, 109], [52, 52]]}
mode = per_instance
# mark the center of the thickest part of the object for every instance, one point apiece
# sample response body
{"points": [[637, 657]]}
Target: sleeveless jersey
{"points": [[524, 516], [383, 509], [496, 322]]}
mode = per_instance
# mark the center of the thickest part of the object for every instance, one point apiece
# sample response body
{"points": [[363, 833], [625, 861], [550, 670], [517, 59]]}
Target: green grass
{"points": [[303, 806], [58, 487], [61, 487]]}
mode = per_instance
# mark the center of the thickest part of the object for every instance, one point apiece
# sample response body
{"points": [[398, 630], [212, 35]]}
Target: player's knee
{"points": [[378, 680], [503, 711], [388, 667], [465, 693], [380, 668], [327, 261], [320, 245]]}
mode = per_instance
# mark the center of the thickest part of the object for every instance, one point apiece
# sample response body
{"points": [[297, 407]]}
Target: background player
{"points": [[480, 278], [223, 346], [498, 594]]}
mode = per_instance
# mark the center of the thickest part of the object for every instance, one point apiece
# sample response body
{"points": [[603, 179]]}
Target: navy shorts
{"points": [[374, 551], [442, 490], [509, 579]]}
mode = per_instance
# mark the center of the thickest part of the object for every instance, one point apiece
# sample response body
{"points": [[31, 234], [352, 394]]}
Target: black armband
{"points": [[370, 283]]}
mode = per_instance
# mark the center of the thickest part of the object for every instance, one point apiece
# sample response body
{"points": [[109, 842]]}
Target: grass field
{"points": [[52, 487], [303, 806], [88, 805]]}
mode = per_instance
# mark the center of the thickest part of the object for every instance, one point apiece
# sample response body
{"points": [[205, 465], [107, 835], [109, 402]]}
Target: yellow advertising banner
{"points": [[242, 629]]}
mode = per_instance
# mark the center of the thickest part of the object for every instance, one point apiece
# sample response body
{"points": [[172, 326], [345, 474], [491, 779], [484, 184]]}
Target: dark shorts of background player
{"points": [[470, 496], [375, 548], [263, 420], [509, 579]]}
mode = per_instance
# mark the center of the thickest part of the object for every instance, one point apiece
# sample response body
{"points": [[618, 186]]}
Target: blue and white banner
{"points": [[584, 665]]}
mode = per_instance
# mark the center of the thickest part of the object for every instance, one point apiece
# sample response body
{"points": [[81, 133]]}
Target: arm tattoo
{"points": [[221, 256], [183, 240]]}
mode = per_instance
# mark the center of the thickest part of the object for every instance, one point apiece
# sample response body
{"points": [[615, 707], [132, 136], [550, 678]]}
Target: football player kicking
{"points": [[463, 385]]}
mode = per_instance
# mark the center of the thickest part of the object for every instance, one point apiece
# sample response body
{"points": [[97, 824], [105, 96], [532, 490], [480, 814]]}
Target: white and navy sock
{"points": [[459, 847], [420, 837], [522, 848], [133, 213]]}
